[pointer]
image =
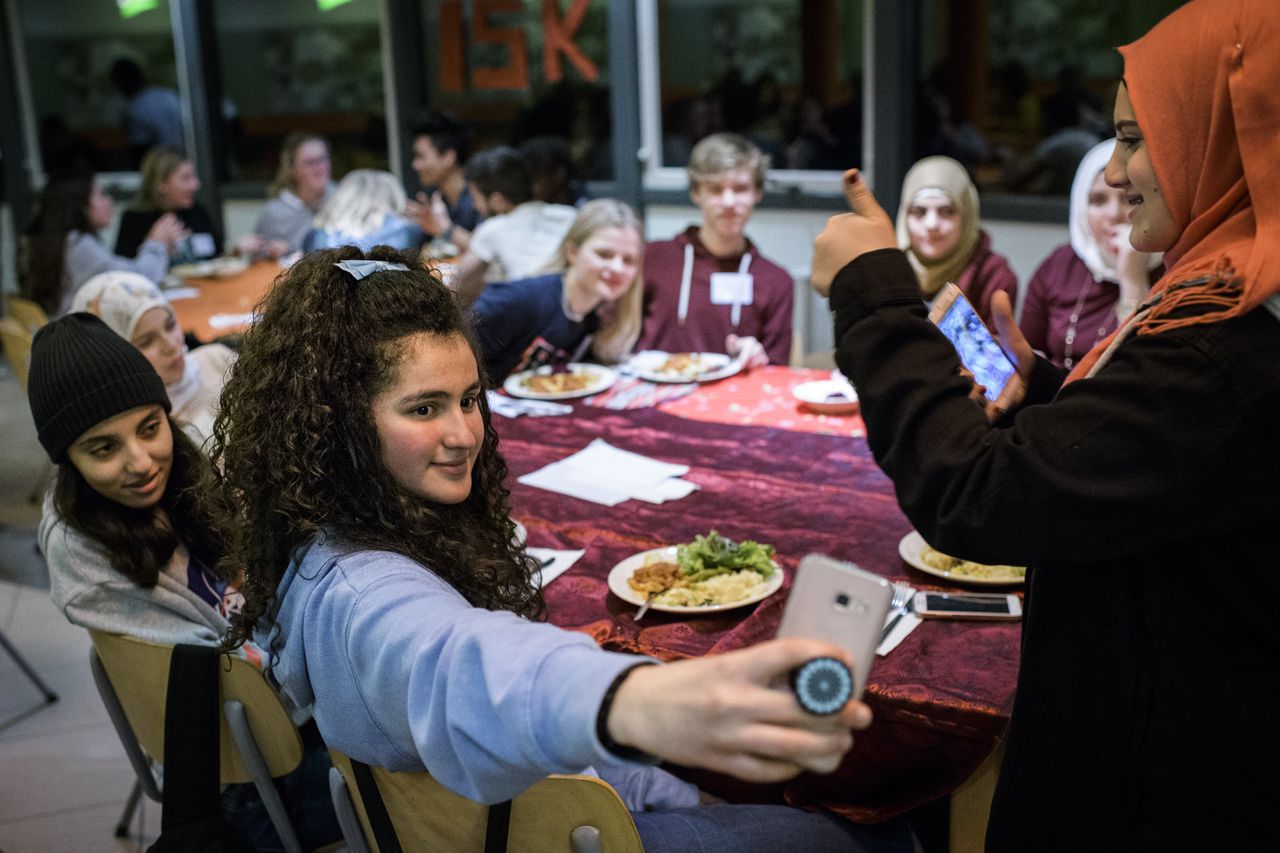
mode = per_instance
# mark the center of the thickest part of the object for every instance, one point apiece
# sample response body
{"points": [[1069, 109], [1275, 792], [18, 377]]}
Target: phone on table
{"points": [[968, 605], [838, 602], [980, 353]]}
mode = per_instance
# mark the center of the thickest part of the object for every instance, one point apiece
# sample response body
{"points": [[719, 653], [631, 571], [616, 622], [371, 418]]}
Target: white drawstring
{"points": [[686, 280]]}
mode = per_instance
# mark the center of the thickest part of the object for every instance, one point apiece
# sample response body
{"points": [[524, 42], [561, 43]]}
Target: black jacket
{"points": [[1147, 502]]}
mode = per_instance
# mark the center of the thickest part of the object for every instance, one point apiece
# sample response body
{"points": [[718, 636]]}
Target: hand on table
{"points": [[850, 235], [749, 350], [721, 713]]}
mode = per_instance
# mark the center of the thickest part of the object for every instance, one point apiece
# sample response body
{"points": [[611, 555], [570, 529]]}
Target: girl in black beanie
{"points": [[129, 549]]}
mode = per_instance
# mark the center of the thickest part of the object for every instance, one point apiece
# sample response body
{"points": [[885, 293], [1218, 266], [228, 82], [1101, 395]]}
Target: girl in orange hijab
{"points": [[1143, 494]]}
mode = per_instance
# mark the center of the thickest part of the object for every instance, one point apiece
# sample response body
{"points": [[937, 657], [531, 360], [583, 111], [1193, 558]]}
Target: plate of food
{"points": [[656, 366], [709, 574], [221, 267], [923, 556], [548, 383], [827, 397]]}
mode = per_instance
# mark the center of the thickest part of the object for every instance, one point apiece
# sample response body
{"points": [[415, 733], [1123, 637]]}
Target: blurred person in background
{"points": [[302, 184], [152, 114], [137, 311], [940, 230], [519, 234], [366, 210], [1084, 289], [445, 208], [549, 160], [169, 186], [61, 249]]}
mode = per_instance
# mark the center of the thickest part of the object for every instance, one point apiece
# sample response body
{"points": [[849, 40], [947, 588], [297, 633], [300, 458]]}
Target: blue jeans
{"points": [[305, 793], [727, 828]]}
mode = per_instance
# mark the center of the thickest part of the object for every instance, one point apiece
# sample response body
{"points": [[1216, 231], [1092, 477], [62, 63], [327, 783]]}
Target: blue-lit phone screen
{"points": [[978, 351]]}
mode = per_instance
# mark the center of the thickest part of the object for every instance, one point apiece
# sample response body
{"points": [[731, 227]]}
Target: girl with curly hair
{"points": [[129, 548], [362, 490], [590, 302]]}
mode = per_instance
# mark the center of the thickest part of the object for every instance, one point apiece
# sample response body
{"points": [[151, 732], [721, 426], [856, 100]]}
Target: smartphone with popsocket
{"points": [[968, 605], [980, 353], [838, 602]]}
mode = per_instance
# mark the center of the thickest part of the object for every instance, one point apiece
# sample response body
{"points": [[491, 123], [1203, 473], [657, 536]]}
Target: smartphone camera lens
{"points": [[822, 685], [842, 602]]}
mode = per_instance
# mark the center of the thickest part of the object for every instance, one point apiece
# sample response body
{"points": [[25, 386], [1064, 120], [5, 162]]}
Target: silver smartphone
{"points": [[838, 602]]}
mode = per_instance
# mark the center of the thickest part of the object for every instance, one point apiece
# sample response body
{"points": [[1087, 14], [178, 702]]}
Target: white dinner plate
{"points": [[600, 379], [709, 367], [620, 573], [911, 549], [827, 397]]}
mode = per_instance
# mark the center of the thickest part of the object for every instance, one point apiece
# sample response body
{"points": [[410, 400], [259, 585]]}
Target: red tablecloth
{"points": [[762, 398], [941, 699]]}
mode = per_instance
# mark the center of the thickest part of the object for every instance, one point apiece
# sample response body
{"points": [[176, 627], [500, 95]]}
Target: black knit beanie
{"points": [[81, 374]]}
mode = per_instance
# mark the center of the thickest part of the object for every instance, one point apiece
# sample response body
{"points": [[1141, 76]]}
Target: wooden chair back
{"points": [[428, 816], [139, 673], [17, 348], [26, 312]]}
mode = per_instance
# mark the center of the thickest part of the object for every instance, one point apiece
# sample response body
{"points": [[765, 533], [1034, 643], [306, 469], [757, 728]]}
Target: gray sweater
{"points": [[92, 594], [285, 217], [86, 256]]}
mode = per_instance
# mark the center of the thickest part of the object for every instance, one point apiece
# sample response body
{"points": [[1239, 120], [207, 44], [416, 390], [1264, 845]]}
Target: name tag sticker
{"points": [[202, 245], [731, 288]]}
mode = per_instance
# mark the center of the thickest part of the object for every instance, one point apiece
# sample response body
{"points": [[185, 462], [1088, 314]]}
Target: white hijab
{"points": [[119, 299], [1082, 242]]}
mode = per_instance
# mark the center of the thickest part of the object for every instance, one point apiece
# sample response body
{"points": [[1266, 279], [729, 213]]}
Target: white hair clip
{"points": [[361, 269]]}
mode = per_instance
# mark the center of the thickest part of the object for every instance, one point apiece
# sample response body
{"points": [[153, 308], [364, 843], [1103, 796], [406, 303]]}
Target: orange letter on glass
{"points": [[557, 38], [451, 44], [514, 75]]}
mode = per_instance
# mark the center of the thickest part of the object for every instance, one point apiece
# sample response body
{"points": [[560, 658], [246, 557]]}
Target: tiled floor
{"points": [[64, 777]]}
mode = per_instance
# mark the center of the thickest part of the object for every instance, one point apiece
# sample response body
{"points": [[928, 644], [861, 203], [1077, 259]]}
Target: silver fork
{"points": [[899, 606]]}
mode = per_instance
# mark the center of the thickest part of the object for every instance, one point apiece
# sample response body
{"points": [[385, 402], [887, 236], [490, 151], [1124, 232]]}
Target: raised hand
{"points": [[850, 235]]}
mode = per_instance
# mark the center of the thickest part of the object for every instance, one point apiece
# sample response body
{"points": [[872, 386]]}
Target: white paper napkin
{"points": [[511, 407], [226, 321], [604, 474], [560, 562], [181, 293]]}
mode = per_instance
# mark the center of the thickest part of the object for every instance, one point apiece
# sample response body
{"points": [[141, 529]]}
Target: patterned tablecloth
{"points": [[941, 699], [762, 398]]}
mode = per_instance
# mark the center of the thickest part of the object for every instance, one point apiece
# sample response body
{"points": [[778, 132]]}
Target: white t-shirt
{"points": [[520, 243]]}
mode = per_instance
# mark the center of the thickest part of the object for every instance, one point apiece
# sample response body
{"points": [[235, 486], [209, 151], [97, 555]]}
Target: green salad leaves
{"points": [[713, 554]]}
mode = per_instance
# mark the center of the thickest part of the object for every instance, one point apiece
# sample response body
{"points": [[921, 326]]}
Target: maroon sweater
{"points": [[986, 273], [767, 318]]}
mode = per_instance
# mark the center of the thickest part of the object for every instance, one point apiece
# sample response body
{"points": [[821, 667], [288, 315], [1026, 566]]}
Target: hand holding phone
{"points": [[842, 604], [968, 605], [979, 351]]}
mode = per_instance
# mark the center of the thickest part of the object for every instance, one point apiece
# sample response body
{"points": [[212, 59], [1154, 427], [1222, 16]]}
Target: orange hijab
{"points": [[1204, 87]]}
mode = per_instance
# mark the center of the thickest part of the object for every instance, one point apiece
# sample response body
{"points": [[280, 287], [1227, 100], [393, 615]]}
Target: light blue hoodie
{"points": [[404, 673]]}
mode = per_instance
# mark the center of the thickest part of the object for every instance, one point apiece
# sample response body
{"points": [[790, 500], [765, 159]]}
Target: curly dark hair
{"points": [[137, 542], [298, 451]]}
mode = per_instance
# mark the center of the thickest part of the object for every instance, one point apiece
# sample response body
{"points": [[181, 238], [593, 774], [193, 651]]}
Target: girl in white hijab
{"points": [[137, 311], [1081, 292], [939, 230]]}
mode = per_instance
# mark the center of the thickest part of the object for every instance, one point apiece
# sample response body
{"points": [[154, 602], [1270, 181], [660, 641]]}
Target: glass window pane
{"points": [[785, 73], [301, 65], [71, 47], [516, 69], [1019, 91]]}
